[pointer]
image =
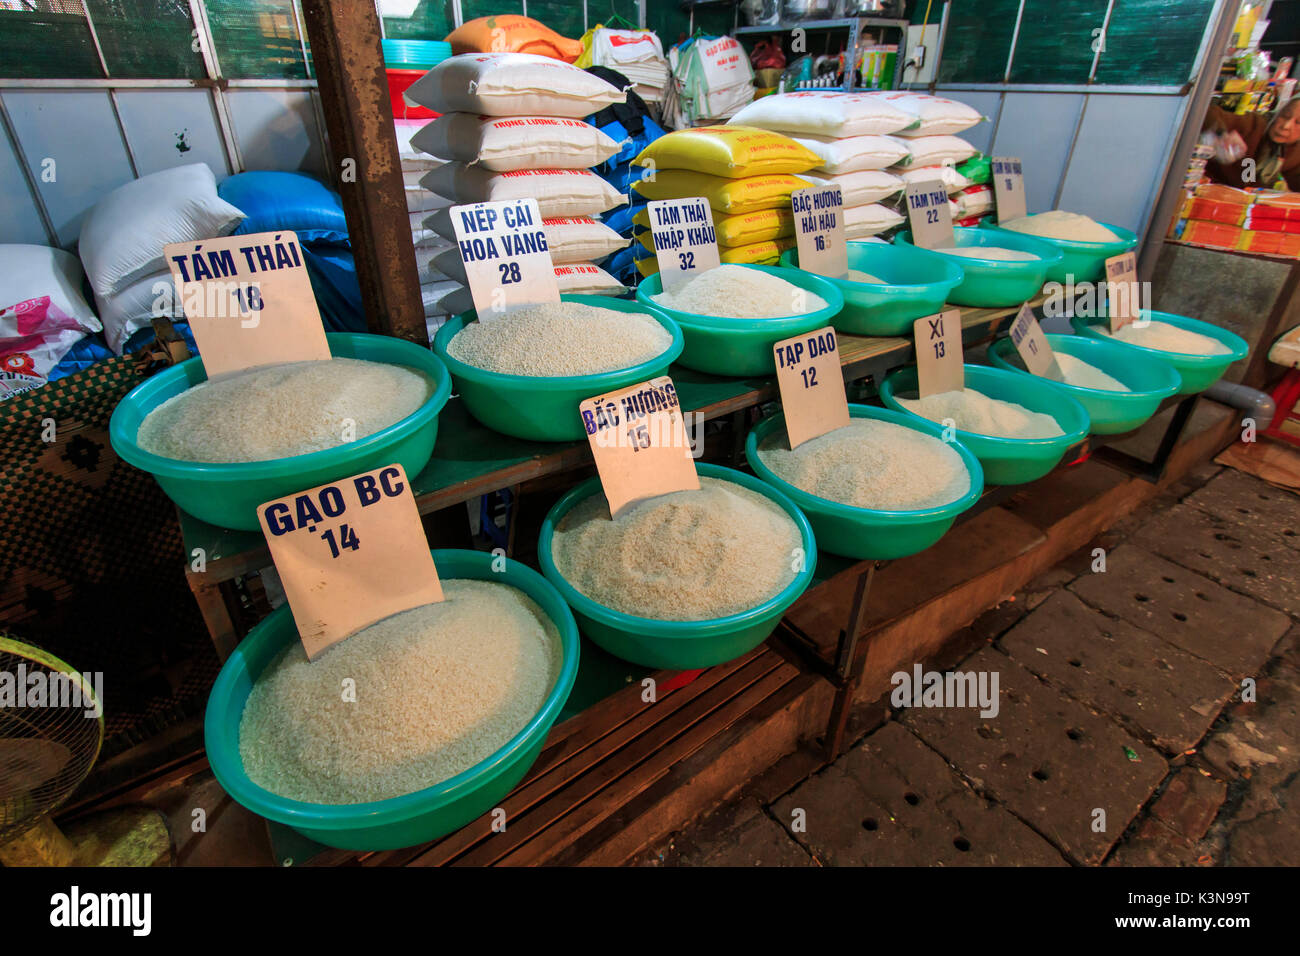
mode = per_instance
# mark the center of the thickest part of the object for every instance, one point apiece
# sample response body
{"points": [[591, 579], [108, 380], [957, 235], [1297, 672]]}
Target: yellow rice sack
{"points": [[647, 267], [729, 196], [745, 228], [758, 253], [729, 151]]}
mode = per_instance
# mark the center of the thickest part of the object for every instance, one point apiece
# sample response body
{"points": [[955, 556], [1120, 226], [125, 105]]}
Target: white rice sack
{"points": [[123, 236], [419, 199], [952, 180], [937, 151], [30, 272], [855, 153], [824, 113], [860, 188], [587, 278], [136, 306], [973, 201], [931, 115], [559, 193], [512, 84], [505, 143], [861, 222]]}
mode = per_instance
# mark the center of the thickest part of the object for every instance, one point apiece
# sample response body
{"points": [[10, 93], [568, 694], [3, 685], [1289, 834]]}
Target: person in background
{"points": [[1269, 141]]}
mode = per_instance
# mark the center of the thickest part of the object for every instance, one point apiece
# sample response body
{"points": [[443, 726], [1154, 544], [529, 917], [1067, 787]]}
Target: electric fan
{"points": [[51, 729]]}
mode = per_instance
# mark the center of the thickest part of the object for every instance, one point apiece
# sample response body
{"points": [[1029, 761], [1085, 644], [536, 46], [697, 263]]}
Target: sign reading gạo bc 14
{"points": [[350, 553], [685, 242], [638, 438], [507, 258], [248, 300]]}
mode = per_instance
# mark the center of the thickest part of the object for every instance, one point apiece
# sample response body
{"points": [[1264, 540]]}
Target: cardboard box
{"points": [[1229, 213]]}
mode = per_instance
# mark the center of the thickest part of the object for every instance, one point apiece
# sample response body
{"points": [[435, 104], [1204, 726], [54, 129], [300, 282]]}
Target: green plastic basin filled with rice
{"points": [[526, 393], [1197, 370], [1006, 461], [228, 493], [912, 284], [432, 810], [1111, 411], [876, 533], [991, 282], [1080, 261], [679, 556], [739, 347]]}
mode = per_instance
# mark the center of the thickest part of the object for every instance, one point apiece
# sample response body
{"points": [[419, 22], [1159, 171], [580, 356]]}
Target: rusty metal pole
{"points": [[349, 64]]}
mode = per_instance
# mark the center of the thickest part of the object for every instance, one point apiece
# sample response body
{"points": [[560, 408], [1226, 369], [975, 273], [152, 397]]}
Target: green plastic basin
{"points": [[1196, 372], [1007, 461], [737, 348], [678, 645], [1111, 413], [867, 533], [917, 284], [228, 494], [546, 409], [1080, 261], [413, 817], [994, 283]]}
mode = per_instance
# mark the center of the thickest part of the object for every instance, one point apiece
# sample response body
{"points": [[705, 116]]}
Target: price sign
{"points": [[812, 386], [638, 439], [819, 231], [507, 259], [685, 243], [929, 215], [248, 300], [350, 553], [1009, 188], [1029, 340], [939, 353], [1123, 294]]}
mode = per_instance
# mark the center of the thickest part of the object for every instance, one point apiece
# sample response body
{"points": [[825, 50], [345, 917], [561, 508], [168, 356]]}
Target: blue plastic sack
{"points": [[83, 354], [333, 274], [275, 201]]}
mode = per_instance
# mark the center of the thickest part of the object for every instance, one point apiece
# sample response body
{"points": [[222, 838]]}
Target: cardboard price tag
{"points": [[507, 259], [812, 386], [1123, 293], [350, 553], [638, 439], [819, 231], [248, 300], [939, 353], [1028, 338], [685, 243], [929, 215], [1009, 188]]}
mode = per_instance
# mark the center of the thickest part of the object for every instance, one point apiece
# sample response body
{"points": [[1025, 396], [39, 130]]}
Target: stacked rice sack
{"points": [[745, 174], [122, 239], [420, 204], [712, 79], [935, 150], [637, 54], [511, 129], [850, 134]]}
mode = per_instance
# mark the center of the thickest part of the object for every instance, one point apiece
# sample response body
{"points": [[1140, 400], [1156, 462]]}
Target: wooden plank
{"points": [[349, 68], [615, 786], [601, 731], [692, 787]]}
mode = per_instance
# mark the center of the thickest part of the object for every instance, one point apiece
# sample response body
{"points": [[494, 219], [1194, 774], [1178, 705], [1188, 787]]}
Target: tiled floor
{"points": [[1148, 713]]}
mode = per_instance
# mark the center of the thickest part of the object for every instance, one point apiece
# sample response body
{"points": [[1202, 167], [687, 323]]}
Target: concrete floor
{"points": [[1147, 715]]}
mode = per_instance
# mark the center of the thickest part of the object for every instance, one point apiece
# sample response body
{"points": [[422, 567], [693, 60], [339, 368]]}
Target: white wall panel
{"points": [[1038, 127], [276, 129], [77, 130], [20, 220], [159, 123]]}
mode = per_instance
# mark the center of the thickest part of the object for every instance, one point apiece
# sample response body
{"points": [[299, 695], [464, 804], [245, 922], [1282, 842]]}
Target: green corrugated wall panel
{"points": [[1155, 40], [977, 43]]}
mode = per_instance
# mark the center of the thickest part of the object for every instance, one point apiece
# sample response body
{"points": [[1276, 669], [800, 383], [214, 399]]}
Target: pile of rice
{"points": [[1080, 373], [988, 252], [871, 464], [561, 338], [1059, 224], [735, 292], [438, 689], [276, 411], [687, 556], [1168, 338], [974, 411], [857, 275]]}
